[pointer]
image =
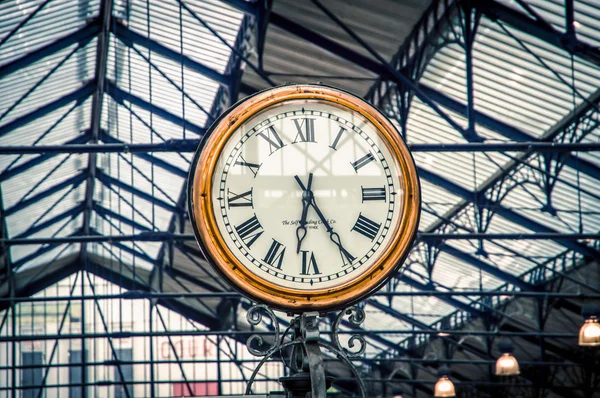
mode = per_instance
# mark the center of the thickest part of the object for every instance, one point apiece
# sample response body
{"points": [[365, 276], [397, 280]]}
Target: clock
{"points": [[304, 198]]}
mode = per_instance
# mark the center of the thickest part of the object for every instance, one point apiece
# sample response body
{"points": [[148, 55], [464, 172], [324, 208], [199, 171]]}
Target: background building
{"points": [[103, 291]]}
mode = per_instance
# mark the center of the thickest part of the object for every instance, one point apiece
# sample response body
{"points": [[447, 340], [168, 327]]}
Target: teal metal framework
{"points": [[559, 157]]}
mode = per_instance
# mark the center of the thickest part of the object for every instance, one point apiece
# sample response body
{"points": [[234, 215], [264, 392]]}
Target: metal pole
{"points": [[167, 236], [138, 295], [234, 333], [190, 145], [254, 361], [123, 382]]}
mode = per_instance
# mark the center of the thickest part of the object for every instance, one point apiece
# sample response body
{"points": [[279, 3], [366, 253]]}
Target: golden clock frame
{"points": [[225, 262]]}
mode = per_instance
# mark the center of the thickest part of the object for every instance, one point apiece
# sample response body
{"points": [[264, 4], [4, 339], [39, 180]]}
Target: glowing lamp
{"points": [[589, 334], [444, 386], [507, 365]]}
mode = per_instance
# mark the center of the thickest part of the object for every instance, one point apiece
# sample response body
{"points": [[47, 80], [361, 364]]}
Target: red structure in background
{"points": [[200, 389]]}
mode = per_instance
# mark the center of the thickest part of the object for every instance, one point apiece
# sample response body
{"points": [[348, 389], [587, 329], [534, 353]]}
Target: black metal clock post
{"points": [[301, 354]]}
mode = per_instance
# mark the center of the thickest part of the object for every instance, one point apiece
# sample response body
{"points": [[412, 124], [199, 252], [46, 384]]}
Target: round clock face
{"points": [[306, 198], [261, 183]]}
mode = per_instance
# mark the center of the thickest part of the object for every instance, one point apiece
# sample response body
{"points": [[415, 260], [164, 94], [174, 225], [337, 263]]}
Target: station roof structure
{"points": [[112, 72]]}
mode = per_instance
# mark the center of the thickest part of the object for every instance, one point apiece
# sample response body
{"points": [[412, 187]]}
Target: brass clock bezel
{"points": [[226, 263]]}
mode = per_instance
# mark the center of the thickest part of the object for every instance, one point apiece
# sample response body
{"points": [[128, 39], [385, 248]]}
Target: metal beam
{"points": [[23, 22], [110, 181], [458, 107], [107, 213], [97, 100], [82, 34], [110, 341], [487, 268], [248, 7], [127, 283], [42, 250], [79, 95], [175, 273], [127, 249], [104, 137], [449, 300], [120, 96], [333, 47], [520, 136], [509, 214], [541, 30], [130, 38], [71, 213], [160, 236], [36, 286], [23, 167], [190, 145], [563, 299], [73, 181]]}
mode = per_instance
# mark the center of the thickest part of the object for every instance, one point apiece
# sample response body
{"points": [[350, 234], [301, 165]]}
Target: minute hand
{"points": [[335, 238]]}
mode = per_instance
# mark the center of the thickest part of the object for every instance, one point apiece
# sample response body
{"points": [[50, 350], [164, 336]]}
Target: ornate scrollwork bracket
{"points": [[305, 361], [356, 318], [256, 345]]}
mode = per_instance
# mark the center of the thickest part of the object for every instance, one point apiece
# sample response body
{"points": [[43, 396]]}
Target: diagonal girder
{"points": [[121, 96], [73, 181], [487, 268], [111, 181], [449, 300], [79, 95], [97, 100], [516, 134], [540, 29], [384, 70], [107, 214], [509, 214], [129, 37], [107, 138], [127, 249], [15, 171], [70, 213], [42, 250], [87, 31]]}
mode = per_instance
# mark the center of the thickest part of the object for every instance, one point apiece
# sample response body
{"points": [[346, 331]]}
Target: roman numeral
{"points": [[309, 262], [306, 130], [274, 141], [252, 166], [368, 158], [249, 231], [275, 253], [366, 227], [337, 138], [241, 200], [373, 194]]}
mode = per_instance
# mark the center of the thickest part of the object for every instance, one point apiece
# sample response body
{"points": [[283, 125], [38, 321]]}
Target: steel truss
{"points": [[539, 162]]}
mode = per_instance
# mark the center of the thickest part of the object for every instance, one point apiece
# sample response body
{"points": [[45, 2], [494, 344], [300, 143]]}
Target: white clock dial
{"points": [[311, 158]]}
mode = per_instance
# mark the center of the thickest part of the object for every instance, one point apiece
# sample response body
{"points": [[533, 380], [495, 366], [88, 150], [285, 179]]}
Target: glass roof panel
{"points": [[54, 21]]}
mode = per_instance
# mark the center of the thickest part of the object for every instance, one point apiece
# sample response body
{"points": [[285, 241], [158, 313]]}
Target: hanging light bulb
{"points": [[507, 364], [589, 334], [444, 386]]}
